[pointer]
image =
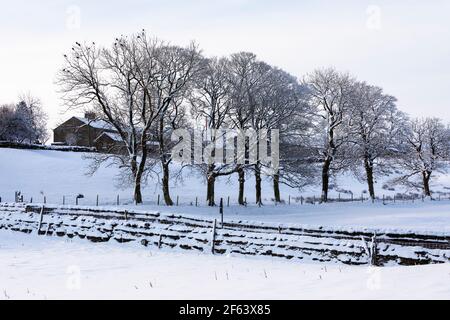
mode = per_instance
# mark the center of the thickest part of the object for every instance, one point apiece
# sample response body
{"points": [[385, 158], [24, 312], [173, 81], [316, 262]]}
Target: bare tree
{"points": [[263, 98], [130, 84], [243, 77], [425, 151], [329, 93], [374, 126], [298, 163], [174, 118], [283, 107], [251, 84], [212, 102]]}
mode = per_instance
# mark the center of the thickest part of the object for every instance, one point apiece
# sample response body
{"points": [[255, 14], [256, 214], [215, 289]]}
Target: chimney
{"points": [[90, 115]]}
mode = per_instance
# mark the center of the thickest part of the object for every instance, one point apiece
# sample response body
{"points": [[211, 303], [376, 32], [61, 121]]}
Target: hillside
{"points": [[54, 174]]}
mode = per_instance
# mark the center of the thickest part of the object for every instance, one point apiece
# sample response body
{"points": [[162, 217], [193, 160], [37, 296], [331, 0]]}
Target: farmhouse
{"points": [[109, 142], [88, 132]]}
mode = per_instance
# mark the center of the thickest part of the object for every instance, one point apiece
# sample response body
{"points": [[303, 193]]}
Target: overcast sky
{"points": [[403, 47]]}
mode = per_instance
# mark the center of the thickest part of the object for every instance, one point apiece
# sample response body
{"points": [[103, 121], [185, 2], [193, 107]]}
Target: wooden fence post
{"points": [[221, 212], [196, 201], [160, 241], [158, 199], [301, 200], [40, 219], [117, 200], [97, 201], [374, 250], [177, 200], [228, 201], [64, 200], [213, 244], [76, 200], [289, 201], [45, 199]]}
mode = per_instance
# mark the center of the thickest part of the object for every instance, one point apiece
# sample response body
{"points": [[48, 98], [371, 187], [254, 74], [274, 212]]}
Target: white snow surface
{"points": [[37, 267], [99, 124], [54, 174], [113, 136]]}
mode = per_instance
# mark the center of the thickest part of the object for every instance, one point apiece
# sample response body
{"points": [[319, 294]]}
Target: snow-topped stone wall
{"points": [[292, 242]]}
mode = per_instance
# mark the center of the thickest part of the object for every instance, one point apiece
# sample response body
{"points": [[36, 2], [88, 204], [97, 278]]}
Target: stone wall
{"points": [[296, 243]]}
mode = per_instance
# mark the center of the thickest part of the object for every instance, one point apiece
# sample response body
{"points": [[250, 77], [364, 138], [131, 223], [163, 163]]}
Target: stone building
{"points": [[110, 142], [87, 132]]}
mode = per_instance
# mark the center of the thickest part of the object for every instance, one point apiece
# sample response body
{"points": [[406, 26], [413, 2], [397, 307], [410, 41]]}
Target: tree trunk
{"points": [[164, 164], [258, 184], [139, 172], [241, 199], [165, 184], [326, 179], [137, 180], [210, 189], [426, 175], [368, 165], [137, 188], [276, 187]]}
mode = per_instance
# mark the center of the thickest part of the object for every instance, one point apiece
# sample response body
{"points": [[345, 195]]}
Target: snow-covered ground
{"points": [[36, 267], [33, 267], [56, 174]]}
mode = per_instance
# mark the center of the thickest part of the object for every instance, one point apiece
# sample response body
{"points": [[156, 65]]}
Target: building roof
{"points": [[112, 135], [98, 124]]}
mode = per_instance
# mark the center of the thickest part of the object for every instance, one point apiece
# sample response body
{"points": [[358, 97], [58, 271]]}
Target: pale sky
{"points": [[402, 46]]}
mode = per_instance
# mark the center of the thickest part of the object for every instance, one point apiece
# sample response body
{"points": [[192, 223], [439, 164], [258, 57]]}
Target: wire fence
{"points": [[227, 201]]}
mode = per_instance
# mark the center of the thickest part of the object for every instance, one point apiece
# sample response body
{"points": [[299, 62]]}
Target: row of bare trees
{"points": [[365, 130], [328, 122]]}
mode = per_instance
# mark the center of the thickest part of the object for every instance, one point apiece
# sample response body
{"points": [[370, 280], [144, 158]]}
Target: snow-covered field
{"points": [[35, 267], [56, 174]]}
